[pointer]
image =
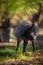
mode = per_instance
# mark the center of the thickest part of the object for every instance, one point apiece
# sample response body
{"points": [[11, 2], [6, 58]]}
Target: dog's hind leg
{"points": [[25, 45], [18, 42]]}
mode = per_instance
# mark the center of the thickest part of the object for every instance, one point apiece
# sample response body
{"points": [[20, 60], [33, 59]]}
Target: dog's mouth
{"points": [[33, 35]]}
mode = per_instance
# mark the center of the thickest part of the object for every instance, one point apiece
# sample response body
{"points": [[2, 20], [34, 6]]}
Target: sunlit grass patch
{"points": [[24, 56]]}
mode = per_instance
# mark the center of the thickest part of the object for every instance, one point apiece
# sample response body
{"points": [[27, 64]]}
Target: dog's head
{"points": [[34, 31]]}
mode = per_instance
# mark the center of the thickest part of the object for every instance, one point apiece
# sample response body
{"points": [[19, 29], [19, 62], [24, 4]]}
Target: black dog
{"points": [[25, 32]]}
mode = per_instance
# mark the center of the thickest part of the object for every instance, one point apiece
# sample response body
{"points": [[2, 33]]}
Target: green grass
{"points": [[10, 52]]}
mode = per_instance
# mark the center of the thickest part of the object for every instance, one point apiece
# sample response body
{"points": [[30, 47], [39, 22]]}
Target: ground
{"points": [[37, 59]]}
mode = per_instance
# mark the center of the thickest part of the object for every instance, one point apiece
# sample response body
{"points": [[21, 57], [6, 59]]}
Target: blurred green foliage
{"points": [[12, 6]]}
